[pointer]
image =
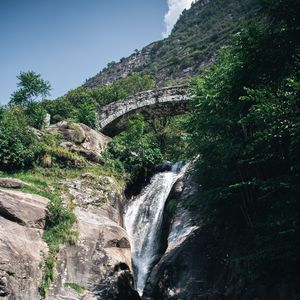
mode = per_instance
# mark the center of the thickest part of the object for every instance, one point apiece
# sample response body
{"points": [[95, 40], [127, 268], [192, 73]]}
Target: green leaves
{"points": [[245, 126], [31, 86], [18, 147], [134, 149]]}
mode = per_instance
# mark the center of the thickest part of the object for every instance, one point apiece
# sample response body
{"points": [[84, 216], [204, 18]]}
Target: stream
{"points": [[143, 221]]}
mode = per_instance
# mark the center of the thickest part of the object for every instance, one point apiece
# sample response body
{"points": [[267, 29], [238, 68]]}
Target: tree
{"points": [[134, 148], [18, 146], [30, 87], [245, 126]]}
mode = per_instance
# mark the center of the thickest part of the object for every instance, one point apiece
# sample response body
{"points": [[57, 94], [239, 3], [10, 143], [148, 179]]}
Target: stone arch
{"points": [[169, 101]]}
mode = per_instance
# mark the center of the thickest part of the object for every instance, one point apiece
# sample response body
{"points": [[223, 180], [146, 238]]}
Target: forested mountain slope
{"points": [[196, 37]]}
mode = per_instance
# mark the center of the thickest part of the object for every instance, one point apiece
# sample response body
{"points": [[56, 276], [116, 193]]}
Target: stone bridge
{"points": [[169, 101]]}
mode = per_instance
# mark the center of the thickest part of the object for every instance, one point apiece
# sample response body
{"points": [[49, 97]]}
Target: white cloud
{"points": [[175, 9]]}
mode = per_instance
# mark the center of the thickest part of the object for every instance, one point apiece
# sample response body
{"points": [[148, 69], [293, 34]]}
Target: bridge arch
{"points": [[169, 101]]}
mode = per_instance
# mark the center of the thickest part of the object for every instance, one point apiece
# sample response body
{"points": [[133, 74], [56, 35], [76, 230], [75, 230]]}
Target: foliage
{"points": [[75, 287], [168, 134], [86, 114], [64, 157], [48, 276], [134, 149], [59, 223], [80, 104], [196, 37], [31, 86], [245, 126], [36, 115], [58, 231], [18, 147]]}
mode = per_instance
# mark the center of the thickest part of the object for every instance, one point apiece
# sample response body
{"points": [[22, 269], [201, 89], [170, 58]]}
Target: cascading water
{"points": [[143, 221]]}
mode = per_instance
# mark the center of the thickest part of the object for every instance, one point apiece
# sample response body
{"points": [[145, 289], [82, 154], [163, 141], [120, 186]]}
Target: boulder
{"points": [[37, 133], [22, 217], [81, 139], [21, 250], [23, 208], [71, 132], [12, 183]]}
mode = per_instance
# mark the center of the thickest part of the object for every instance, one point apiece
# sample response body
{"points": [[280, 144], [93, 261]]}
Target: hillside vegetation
{"points": [[245, 126], [190, 48]]}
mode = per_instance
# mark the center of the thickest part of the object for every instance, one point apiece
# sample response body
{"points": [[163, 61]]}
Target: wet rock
{"points": [[4, 289], [194, 265], [164, 166]]}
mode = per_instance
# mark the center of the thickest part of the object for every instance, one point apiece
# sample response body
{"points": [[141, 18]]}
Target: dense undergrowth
{"points": [[245, 126]]}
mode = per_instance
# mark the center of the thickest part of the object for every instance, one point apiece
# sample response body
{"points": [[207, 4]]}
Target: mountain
{"points": [[190, 48]]}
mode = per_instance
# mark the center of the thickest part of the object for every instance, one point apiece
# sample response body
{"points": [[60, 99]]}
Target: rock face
{"points": [[11, 183], [25, 209], [194, 266], [190, 48], [80, 139], [125, 67], [98, 266], [100, 263], [22, 216]]}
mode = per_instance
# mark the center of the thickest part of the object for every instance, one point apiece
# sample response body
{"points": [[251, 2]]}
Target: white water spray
{"points": [[143, 221]]}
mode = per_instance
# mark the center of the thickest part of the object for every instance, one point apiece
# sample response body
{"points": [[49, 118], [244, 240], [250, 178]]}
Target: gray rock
{"points": [[37, 133], [26, 209], [12, 183], [22, 216], [103, 245], [47, 119], [71, 132], [81, 139]]}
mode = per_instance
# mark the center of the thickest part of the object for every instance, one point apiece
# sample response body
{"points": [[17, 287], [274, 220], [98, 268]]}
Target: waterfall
{"points": [[143, 220]]}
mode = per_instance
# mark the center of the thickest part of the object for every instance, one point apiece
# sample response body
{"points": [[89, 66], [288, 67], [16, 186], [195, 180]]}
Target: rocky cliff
{"points": [[193, 264], [190, 48], [97, 266], [100, 262], [22, 219]]}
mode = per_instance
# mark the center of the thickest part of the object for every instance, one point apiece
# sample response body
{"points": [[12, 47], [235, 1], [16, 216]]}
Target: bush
{"points": [[134, 148], [18, 146], [86, 114], [36, 115]]}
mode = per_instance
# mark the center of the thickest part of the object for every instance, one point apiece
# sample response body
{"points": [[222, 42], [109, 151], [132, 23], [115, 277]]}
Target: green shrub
{"points": [[134, 148], [18, 146], [75, 287], [58, 231], [36, 115], [86, 114]]}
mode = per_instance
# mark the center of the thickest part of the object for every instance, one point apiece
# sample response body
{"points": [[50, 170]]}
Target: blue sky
{"points": [[68, 41]]}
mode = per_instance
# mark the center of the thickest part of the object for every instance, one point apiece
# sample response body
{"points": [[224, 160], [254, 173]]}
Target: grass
{"points": [[59, 229], [79, 289]]}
